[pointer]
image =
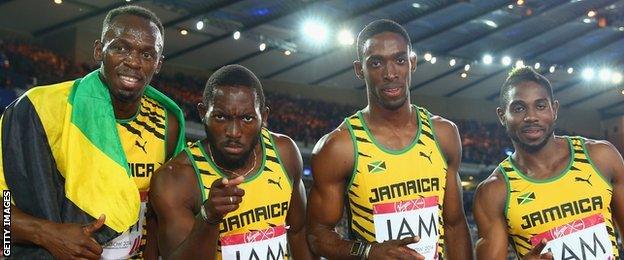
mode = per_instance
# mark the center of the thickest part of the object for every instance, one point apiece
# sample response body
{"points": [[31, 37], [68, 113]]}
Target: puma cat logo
{"points": [[276, 182], [427, 156], [579, 179], [136, 142]]}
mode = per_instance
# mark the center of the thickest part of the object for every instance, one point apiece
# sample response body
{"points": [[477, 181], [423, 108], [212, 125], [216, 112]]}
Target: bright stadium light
{"points": [[452, 62], [463, 75], [467, 67], [262, 46], [519, 64], [588, 73], [552, 69], [315, 31], [616, 78], [199, 25], [345, 37], [433, 60], [287, 52], [604, 74], [236, 35], [506, 60], [183, 31], [428, 56], [537, 65], [487, 59], [570, 70]]}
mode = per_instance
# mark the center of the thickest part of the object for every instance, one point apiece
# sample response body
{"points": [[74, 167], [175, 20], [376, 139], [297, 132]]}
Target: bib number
{"points": [[409, 218], [270, 244], [581, 239], [128, 243]]}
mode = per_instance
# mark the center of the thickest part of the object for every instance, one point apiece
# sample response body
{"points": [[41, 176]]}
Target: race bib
{"points": [[128, 243], [581, 239], [418, 217], [267, 244]]}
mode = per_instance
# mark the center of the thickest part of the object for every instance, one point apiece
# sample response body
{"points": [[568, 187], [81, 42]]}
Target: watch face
{"points": [[356, 248]]}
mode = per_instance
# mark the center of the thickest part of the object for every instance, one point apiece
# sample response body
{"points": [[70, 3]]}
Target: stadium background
{"points": [[303, 50]]}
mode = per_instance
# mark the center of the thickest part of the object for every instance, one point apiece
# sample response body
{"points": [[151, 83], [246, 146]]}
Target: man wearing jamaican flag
{"points": [[78, 156]]}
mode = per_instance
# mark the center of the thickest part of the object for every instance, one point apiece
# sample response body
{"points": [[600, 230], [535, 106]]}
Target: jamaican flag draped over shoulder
{"points": [[63, 160]]}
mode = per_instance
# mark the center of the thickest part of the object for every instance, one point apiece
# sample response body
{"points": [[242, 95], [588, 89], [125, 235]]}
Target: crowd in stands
{"points": [[306, 120]]}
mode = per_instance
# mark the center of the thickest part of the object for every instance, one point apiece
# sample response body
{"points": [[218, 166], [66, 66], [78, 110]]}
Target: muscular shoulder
{"points": [[604, 156], [289, 153], [444, 127], [492, 191], [333, 154], [175, 184]]}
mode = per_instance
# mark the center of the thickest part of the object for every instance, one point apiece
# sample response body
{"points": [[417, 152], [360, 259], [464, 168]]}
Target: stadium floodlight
{"points": [[519, 64], [487, 59], [506, 61], [345, 37], [616, 78], [452, 62], [199, 25], [604, 74], [262, 46], [588, 73], [314, 31], [467, 67], [570, 70], [537, 65], [433, 60], [552, 69], [428, 56]]}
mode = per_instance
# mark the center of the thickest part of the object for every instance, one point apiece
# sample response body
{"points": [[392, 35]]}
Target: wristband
{"points": [[204, 216], [367, 251], [357, 249]]}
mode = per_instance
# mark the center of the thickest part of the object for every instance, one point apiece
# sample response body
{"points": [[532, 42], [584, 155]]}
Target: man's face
{"points": [[386, 68], [130, 54], [233, 122], [529, 116]]}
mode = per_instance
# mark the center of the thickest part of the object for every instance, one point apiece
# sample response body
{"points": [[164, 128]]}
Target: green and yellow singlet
{"points": [[257, 229], [143, 138], [571, 210], [398, 193]]}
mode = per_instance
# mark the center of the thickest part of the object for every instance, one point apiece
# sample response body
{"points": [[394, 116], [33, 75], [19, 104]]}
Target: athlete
{"points": [[393, 164], [238, 193], [78, 156], [555, 197]]}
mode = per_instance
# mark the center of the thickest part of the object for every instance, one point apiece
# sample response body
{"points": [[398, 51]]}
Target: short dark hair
{"points": [[377, 27], [233, 75], [132, 10], [519, 75]]}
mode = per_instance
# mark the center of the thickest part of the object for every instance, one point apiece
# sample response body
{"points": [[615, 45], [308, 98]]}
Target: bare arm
{"points": [[489, 213], [609, 162], [296, 213], [332, 165], [174, 196], [457, 236]]}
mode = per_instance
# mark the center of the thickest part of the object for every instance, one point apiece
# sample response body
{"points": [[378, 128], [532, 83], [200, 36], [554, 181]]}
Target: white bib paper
{"points": [[581, 239], [128, 243], [418, 217], [270, 244]]}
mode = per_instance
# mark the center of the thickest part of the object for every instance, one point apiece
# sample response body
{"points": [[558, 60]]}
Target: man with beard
{"points": [[238, 193], [393, 164], [78, 156], [555, 196]]}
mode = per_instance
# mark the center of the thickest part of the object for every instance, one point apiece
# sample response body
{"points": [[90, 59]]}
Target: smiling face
{"points": [[386, 68], [529, 115], [233, 121], [130, 53]]}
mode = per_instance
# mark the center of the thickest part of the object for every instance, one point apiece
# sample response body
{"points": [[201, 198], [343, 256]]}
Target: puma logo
{"points": [[427, 156], [136, 142], [579, 179], [276, 182]]}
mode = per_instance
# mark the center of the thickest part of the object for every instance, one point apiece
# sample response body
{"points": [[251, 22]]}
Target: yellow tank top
{"points": [[143, 138], [398, 193], [571, 210], [257, 229]]}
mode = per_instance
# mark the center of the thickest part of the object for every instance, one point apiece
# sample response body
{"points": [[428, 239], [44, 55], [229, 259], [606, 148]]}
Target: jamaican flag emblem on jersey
{"points": [[526, 198], [377, 167]]}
